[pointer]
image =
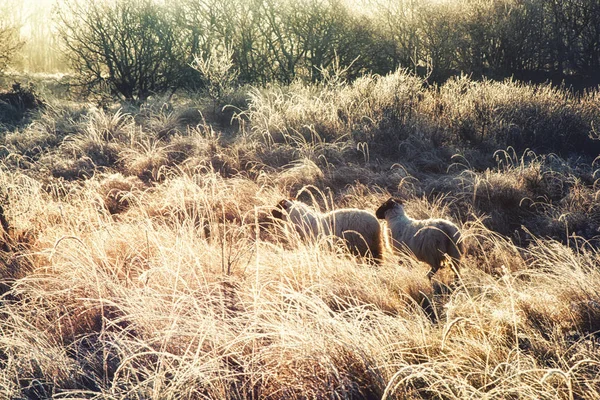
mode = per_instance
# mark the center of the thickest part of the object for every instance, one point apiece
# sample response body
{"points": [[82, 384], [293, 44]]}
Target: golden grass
{"points": [[177, 313], [163, 276]]}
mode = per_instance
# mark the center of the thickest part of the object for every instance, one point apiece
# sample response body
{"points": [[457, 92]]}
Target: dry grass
{"points": [[158, 273]]}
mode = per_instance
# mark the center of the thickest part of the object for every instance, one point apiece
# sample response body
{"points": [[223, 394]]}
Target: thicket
{"points": [[131, 46], [143, 47]]}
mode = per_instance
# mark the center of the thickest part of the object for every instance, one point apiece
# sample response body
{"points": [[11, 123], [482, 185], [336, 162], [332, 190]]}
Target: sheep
{"points": [[432, 241], [359, 229]]}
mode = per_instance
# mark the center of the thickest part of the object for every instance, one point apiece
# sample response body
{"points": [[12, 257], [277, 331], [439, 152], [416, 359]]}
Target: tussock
{"points": [[119, 192]]}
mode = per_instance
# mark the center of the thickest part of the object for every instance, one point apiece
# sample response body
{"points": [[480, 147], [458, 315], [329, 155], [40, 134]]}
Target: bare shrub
{"points": [[218, 74], [10, 42], [131, 46]]}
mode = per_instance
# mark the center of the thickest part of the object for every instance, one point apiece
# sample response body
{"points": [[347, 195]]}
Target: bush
{"points": [[130, 46], [17, 102], [10, 43]]}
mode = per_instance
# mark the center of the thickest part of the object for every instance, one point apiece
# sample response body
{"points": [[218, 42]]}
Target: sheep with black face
{"points": [[433, 241], [359, 229]]}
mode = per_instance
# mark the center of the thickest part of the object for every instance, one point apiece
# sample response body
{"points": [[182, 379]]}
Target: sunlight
{"points": [[35, 15], [233, 199]]}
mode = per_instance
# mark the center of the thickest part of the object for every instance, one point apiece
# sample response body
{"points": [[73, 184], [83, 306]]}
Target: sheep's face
{"points": [[388, 205], [282, 208]]}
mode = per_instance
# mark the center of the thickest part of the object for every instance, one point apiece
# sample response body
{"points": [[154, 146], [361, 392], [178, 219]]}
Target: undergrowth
{"points": [[142, 260]]}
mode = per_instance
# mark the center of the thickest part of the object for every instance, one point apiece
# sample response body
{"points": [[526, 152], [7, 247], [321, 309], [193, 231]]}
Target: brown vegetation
{"points": [[147, 266]]}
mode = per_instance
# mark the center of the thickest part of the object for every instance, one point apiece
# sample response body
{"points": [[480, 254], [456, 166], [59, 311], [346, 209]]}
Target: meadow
{"points": [[141, 260]]}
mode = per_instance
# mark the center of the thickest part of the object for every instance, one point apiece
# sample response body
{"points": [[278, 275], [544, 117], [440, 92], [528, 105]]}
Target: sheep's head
{"points": [[388, 205], [283, 206]]}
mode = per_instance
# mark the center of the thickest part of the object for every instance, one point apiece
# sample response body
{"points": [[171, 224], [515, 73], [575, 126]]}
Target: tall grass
{"points": [[159, 273]]}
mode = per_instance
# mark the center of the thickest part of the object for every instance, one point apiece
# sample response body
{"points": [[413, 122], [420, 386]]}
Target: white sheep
{"points": [[433, 241], [359, 229]]}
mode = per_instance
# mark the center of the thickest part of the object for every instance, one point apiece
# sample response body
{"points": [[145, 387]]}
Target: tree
{"points": [[9, 45], [577, 27], [399, 23], [10, 41], [439, 38], [133, 46]]}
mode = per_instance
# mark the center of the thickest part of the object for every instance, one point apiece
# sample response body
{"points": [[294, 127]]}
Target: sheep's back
{"points": [[306, 221], [351, 219], [359, 228], [428, 239], [455, 247]]}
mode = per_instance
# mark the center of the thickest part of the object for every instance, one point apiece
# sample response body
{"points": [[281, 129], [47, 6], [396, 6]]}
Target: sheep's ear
{"points": [[284, 204], [380, 212]]}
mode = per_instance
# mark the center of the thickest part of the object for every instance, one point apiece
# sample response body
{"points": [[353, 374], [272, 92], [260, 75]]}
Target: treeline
{"points": [[141, 46]]}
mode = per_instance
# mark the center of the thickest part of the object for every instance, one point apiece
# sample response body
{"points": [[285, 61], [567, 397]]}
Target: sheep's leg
{"points": [[428, 308]]}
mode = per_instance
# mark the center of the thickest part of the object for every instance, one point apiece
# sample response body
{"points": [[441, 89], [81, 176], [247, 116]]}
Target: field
{"points": [[141, 261]]}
